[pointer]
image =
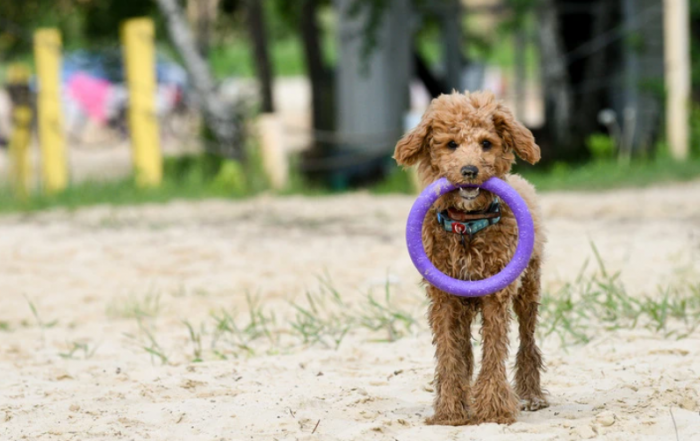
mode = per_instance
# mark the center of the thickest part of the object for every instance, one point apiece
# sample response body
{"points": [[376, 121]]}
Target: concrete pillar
{"points": [[372, 93]]}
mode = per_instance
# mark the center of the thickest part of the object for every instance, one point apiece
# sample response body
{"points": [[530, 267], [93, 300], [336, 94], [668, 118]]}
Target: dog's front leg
{"points": [[494, 400], [450, 319]]}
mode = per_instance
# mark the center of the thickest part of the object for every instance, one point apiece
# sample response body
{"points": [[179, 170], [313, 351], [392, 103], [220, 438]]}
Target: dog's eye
{"points": [[485, 144], [453, 145]]}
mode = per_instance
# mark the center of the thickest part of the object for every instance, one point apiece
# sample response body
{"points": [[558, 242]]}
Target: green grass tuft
{"points": [[578, 311], [134, 306], [79, 350], [146, 340], [239, 337]]}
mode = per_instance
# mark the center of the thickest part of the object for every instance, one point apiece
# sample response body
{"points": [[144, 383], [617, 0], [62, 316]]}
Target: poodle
{"points": [[468, 138]]}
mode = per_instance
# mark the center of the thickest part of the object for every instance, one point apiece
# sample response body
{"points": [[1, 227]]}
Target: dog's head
{"points": [[466, 138]]}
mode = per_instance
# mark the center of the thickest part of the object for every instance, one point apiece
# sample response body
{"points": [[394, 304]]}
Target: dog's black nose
{"points": [[470, 171]]}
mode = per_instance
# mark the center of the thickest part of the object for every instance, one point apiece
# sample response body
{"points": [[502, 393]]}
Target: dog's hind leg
{"points": [[450, 321], [494, 399], [528, 362]]}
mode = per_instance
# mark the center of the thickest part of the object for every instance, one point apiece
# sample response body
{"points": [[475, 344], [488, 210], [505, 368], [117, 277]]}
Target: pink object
{"points": [[91, 94]]}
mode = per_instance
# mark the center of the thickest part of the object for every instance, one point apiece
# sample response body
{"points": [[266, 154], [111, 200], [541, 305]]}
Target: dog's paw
{"points": [[505, 419], [495, 405], [533, 404], [445, 419]]}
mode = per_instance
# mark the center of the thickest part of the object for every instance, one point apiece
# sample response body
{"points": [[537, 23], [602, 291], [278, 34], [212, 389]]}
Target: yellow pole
{"points": [[677, 66], [18, 87], [139, 55], [47, 51]]}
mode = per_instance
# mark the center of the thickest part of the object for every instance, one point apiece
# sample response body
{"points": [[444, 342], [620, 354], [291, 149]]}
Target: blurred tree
{"points": [[255, 15], [319, 72], [695, 47], [102, 18], [219, 116], [83, 23], [516, 24], [202, 15], [555, 76], [595, 55], [302, 16], [18, 19], [444, 16]]}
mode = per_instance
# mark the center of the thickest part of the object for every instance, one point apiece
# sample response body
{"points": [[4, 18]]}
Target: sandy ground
{"points": [[84, 271]]}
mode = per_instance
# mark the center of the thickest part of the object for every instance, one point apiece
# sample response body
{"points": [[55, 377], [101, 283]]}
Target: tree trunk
{"points": [[323, 116], [520, 72], [695, 47], [434, 85], [258, 36], [592, 98], [556, 82], [202, 14], [218, 116], [452, 43]]}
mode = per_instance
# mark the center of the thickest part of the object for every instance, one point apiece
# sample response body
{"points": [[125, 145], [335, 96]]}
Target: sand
{"points": [[86, 271]]}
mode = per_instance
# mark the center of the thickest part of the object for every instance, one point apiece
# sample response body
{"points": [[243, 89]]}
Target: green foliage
{"points": [[187, 177], [520, 9], [102, 19], [19, 19], [603, 175], [695, 130], [205, 176], [598, 175], [600, 146], [231, 175], [234, 58], [82, 23], [398, 181], [289, 12]]}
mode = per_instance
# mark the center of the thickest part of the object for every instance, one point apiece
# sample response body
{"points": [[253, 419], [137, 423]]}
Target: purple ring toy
{"points": [[462, 288]]}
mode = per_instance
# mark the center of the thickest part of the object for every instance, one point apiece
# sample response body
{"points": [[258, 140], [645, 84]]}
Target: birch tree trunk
{"points": [[202, 16], [218, 115]]}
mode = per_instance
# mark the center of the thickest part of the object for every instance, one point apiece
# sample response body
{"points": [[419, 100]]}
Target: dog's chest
{"points": [[475, 258]]}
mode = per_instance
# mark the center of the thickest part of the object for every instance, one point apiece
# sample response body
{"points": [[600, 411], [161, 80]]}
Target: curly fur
{"points": [[468, 120]]}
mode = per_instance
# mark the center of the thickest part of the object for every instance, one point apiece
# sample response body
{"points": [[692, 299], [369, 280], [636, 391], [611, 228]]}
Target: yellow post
{"points": [[18, 88], [274, 158], [139, 55], [47, 51], [678, 75]]}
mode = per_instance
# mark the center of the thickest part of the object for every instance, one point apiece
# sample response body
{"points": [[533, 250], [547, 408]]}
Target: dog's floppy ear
{"points": [[414, 145], [516, 136]]}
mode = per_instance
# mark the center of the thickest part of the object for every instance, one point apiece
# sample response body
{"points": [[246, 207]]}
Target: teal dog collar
{"points": [[471, 227]]}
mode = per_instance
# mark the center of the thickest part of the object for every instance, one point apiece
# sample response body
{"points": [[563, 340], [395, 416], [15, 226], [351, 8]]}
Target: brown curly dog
{"points": [[468, 138]]}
